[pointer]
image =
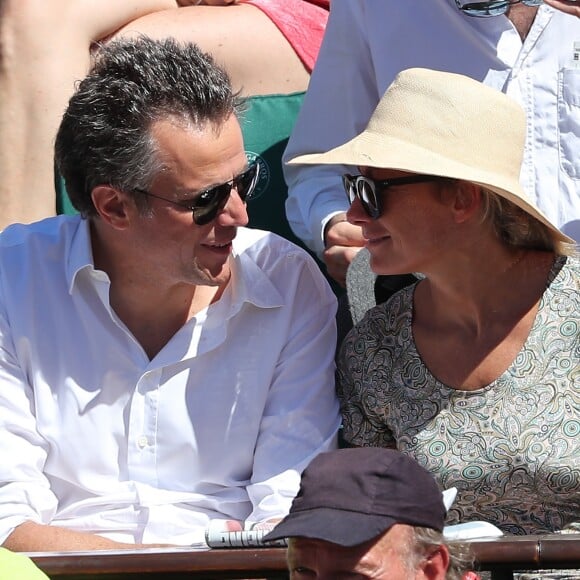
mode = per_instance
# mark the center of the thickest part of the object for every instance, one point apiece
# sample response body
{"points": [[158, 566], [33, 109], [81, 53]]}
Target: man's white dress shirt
{"points": [[367, 42], [96, 437]]}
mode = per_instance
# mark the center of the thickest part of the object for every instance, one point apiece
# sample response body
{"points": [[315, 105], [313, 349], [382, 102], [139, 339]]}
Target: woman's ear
{"points": [[466, 201], [111, 205]]}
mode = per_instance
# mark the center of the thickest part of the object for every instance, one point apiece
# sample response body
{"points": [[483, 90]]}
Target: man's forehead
{"points": [[395, 534], [364, 558], [182, 147], [165, 128]]}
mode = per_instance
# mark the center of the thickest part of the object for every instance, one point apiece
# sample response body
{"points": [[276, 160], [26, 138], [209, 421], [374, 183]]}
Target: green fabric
{"points": [[63, 203], [14, 566], [266, 127]]}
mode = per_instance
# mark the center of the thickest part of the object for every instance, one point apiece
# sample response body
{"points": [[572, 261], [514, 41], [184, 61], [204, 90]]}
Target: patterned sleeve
{"points": [[363, 423]]}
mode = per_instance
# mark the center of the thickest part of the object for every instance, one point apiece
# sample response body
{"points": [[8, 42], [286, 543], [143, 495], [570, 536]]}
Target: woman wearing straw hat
{"points": [[473, 370]]}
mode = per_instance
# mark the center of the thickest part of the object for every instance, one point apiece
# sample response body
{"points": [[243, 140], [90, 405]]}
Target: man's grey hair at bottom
{"points": [[424, 540]]}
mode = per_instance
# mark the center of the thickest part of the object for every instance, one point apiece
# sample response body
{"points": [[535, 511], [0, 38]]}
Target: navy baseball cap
{"points": [[350, 496]]}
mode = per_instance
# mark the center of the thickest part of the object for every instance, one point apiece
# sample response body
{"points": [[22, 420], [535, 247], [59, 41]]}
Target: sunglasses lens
{"points": [[367, 194], [348, 184], [212, 201], [246, 182], [363, 188]]}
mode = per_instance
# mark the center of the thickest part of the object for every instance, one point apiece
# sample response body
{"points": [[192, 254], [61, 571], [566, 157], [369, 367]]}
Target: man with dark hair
{"points": [[370, 512], [161, 365]]}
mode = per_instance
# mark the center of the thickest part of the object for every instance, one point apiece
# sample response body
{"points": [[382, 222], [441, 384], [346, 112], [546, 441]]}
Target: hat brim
{"points": [[386, 152], [331, 525]]}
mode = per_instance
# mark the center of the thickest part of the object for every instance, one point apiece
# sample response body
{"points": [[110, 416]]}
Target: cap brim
{"points": [[331, 525]]}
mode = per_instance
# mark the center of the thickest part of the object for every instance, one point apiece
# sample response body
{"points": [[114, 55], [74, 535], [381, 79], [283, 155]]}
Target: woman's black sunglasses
{"points": [[368, 190], [206, 205]]}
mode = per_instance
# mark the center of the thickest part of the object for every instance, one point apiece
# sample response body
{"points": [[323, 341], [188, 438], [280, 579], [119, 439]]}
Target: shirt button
{"points": [[142, 442]]}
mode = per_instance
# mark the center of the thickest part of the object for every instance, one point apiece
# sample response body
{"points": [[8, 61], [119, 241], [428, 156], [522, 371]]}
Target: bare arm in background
{"points": [[241, 38], [33, 537], [45, 49]]}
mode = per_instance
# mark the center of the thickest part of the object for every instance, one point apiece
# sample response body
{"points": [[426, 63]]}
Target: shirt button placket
{"points": [[142, 452]]}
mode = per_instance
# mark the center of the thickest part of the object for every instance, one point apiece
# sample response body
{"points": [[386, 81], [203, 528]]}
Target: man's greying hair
{"points": [[422, 543], [104, 137]]}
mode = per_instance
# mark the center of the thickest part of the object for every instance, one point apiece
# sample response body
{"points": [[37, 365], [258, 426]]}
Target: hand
{"points": [[218, 526], [568, 6], [267, 525], [232, 526], [343, 240]]}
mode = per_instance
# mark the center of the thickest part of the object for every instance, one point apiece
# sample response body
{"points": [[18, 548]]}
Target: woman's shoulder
{"points": [[387, 324], [565, 275], [573, 264]]}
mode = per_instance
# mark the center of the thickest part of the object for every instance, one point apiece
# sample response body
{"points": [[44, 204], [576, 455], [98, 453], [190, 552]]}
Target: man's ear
{"points": [[111, 205], [435, 566], [467, 201]]}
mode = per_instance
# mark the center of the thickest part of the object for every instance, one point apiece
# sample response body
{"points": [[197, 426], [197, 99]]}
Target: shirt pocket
{"points": [[569, 121]]}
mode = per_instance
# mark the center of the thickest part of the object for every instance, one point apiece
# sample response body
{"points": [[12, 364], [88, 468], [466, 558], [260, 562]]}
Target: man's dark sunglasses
{"points": [[368, 190], [207, 204], [492, 7]]}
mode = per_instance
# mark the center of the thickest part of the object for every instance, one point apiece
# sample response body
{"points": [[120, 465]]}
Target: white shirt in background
{"points": [[367, 42]]}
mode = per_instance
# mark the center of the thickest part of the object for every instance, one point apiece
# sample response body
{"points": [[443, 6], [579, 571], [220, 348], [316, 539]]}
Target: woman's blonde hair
{"points": [[516, 227]]}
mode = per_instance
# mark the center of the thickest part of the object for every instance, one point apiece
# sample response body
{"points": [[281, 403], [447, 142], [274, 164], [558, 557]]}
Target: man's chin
{"points": [[215, 276]]}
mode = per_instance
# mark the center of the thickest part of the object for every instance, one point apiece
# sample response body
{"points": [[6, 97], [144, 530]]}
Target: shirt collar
{"points": [[80, 255], [250, 283]]}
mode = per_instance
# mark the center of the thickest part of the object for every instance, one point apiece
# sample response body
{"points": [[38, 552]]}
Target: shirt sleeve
{"points": [[301, 416], [363, 425], [24, 490], [341, 97]]}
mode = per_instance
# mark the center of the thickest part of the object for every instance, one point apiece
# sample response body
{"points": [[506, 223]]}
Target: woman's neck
{"points": [[499, 283]]}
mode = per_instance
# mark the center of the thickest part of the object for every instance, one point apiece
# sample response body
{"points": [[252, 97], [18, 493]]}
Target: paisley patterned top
{"points": [[512, 448]]}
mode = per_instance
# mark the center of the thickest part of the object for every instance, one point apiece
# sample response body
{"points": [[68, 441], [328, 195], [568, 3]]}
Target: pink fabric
{"points": [[302, 22]]}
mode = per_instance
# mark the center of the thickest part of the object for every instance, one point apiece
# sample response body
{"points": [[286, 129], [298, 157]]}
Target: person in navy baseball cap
{"points": [[368, 511]]}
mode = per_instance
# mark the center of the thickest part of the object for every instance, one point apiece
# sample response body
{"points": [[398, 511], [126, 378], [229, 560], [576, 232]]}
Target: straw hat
{"points": [[445, 124]]}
